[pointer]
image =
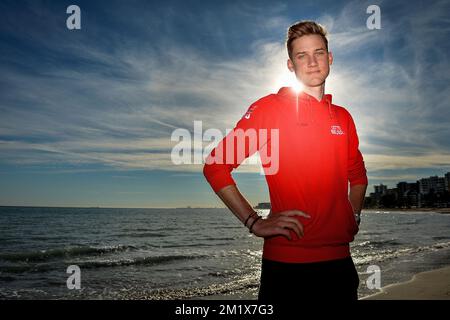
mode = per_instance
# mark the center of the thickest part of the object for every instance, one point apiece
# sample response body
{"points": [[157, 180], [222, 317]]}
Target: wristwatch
{"points": [[358, 218]]}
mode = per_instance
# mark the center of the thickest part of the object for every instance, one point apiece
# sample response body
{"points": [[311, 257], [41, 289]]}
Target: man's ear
{"points": [[290, 65], [330, 58]]}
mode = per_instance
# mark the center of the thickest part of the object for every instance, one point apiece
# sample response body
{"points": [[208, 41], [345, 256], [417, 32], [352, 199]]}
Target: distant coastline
{"points": [[438, 210], [261, 206], [266, 205]]}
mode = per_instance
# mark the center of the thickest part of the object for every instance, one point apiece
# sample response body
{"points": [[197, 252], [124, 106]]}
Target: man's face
{"points": [[310, 60]]}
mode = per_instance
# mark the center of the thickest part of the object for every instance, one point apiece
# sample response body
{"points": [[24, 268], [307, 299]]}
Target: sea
{"points": [[185, 253]]}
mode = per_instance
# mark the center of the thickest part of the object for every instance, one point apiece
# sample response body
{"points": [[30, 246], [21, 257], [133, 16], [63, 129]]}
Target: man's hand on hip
{"points": [[280, 224]]}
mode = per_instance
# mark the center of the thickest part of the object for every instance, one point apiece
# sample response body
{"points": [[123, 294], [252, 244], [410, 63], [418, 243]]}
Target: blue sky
{"points": [[87, 115]]}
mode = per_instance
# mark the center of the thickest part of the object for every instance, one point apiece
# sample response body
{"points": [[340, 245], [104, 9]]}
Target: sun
{"points": [[296, 85], [288, 79]]}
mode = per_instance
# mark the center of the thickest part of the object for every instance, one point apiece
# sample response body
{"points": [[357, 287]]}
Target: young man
{"points": [[313, 217]]}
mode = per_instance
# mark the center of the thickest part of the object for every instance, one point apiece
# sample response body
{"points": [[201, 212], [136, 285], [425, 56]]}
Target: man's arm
{"points": [[278, 224], [235, 201], [356, 197], [357, 174], [217, 171]]}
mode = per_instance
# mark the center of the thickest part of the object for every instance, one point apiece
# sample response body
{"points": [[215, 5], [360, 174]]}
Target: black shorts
{"points": [[328, 280]]}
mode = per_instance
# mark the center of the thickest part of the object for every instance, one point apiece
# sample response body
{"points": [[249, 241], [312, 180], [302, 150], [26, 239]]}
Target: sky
{"points": [[87, 115]]}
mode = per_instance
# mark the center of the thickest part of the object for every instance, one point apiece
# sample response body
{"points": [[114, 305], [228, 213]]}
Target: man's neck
{"points": [[316, 92]]}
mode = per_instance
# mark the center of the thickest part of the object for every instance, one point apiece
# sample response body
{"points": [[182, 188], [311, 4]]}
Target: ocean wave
{"points": [[143, 235], [378, 243], [21, 294], [231, 227], [26, 268], [153, 260], [45, 255], [441, 238], [414, 221], [48, 238], [149, 229], [7, 278], [194, 245], [219, 239], [238, 284], [225, 273], [378, 256]]}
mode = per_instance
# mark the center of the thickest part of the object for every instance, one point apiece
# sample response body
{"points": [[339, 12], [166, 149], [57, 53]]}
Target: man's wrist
{"points": [[358, 217], [249, 218], [255, 219]]}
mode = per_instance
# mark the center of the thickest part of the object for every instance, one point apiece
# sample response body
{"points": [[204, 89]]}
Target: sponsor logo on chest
{"points": [[249, 112], [336, 130]]}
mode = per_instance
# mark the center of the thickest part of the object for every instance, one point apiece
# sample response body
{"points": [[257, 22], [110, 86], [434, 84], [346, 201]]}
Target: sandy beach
{"points": [[430, 285]]}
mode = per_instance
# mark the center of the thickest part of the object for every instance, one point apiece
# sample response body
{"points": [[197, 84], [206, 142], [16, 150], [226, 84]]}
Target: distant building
{"points": [[411, 198], [376, 197], [408, 194], [390, 198], [425, 185], [428, 192], [447, 181], [263, 205], [433, 184], [381, 189]]}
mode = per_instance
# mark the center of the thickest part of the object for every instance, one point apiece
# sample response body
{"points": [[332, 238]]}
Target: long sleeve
{"points": [[242, 142], [356, 168]]}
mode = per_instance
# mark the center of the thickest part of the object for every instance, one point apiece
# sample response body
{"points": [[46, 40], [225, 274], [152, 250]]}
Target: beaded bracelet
{"points": [[249, 216], [254, 221]]}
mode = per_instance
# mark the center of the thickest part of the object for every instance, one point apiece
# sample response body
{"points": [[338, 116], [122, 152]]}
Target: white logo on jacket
{"points": [[249, 111], [336, 130]]}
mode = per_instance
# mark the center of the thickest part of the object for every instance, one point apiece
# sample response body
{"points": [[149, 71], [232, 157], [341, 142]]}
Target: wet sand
{"points": [[430, 285]]}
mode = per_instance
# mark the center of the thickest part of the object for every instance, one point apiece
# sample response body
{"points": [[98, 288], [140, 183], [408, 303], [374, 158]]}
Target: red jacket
{"points": [[318, 158]]}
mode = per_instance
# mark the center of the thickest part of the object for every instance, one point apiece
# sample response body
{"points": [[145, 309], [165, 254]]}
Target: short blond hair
{"points": [[303, 28]]}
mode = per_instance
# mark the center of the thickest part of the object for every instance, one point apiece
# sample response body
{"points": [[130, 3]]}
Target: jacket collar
{"points": [[289, 91]]}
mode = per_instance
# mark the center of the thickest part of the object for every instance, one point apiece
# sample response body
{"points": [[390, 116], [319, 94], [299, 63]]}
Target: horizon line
{"points": [[106, 207]]}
